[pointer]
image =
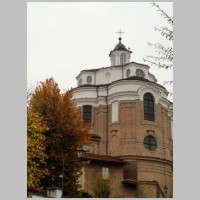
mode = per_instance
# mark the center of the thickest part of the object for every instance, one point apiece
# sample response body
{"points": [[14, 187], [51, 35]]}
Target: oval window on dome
{"points": [[128, 72], [140, 73], [107, 75], [89, 79], [150, 142]]}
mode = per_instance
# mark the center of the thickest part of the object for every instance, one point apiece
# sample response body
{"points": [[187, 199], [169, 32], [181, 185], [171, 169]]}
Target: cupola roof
{"points": [[120, 46]]}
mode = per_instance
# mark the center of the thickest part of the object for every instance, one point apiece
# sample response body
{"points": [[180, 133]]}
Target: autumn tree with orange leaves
{"points": [[66, 132], [36, 157]]}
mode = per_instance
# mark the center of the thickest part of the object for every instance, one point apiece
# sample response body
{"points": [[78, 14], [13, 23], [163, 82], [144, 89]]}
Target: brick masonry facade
{"points": [[124, 139], [116, 94]]}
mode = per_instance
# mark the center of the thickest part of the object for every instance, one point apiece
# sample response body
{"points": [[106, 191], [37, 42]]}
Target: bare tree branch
{"points": [[164, 57], [166, 16]]}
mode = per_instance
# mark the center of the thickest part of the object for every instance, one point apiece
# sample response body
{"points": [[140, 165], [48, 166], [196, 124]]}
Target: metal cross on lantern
{"points": [[120, 32]]}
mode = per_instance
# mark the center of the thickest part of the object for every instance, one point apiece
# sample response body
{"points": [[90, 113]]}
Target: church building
{"points": [[131, 135]]}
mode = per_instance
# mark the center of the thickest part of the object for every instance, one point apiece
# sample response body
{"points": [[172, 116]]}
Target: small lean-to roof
{"points": [[130, 182], [95, 136], [102, 158]]}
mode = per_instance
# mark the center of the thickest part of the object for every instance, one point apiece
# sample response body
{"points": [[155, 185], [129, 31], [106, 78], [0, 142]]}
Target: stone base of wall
{"points": [[149, 189]]}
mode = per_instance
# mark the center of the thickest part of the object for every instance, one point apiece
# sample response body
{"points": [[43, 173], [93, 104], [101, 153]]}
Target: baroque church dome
{"points": [[131, 120]]}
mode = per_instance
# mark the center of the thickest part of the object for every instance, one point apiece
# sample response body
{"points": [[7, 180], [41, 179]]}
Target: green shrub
{"points": [[102, 189]]}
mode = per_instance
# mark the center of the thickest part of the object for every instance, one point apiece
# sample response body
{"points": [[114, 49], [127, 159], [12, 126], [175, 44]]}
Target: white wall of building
{"points": [[83, 76], [54, 193], [37, 196], [115, 57], [115, 108], [85, 93], [124, 86], [118, 91], [133, 67], [110, 74]]}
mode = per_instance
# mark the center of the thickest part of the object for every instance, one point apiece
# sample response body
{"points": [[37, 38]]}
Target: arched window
{"points": [[140, 73], [113, 60], [122, 59], [128, 72], [87, 113], [149, 107]]}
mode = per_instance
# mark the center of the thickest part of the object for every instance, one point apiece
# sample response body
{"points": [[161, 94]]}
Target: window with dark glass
{"points": [[122, 59], [128, 72], [140, 73], [149, 107], [87, 113], [150, 142], [89, 79]]}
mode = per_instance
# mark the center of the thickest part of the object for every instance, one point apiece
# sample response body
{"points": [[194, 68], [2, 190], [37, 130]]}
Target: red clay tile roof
{"points": [[103, 158]]}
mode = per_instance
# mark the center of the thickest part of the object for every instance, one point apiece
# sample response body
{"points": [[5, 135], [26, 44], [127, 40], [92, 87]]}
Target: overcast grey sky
{"points": [[64, 38]]}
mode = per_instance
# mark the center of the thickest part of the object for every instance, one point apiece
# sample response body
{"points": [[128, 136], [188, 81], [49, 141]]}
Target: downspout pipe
{"points": [[107, 120]]}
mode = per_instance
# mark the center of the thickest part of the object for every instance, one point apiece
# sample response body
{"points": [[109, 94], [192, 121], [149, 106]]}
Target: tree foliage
{"points": [[164, 54], [36, 157], [66, 132], [102, 189]]}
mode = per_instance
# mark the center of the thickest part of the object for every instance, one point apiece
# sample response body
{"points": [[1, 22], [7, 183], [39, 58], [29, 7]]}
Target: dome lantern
{"points": [[120, 54]]}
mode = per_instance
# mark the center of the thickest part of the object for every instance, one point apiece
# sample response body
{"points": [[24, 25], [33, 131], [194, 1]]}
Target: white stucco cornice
{"points": [[158, 91], [124, 89], [121, 96], [84, 92], [85, 88], [164, 102], [89, 101], [139, 64], [152, 76]]}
